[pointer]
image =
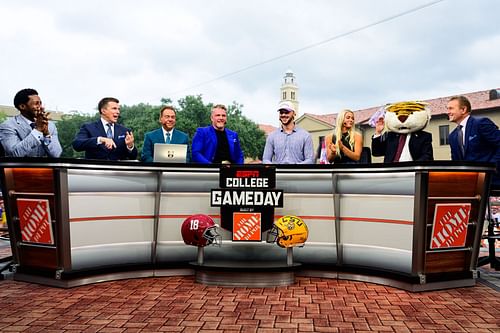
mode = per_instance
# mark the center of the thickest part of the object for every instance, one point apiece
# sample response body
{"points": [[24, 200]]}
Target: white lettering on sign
{"points": [[450, 225], [247, 182], [246, 198]]}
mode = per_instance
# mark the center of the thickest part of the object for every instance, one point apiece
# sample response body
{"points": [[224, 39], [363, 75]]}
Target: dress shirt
{"points": [[165, 134], [464, 124], [289, 148], [405, 154]]}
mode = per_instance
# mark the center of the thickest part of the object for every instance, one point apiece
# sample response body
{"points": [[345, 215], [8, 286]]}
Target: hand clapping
{"points": [[42, 121]]}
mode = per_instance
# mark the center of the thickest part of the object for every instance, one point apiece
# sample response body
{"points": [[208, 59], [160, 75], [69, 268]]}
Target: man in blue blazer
{"points": [[215, 143], [166, 134], [29, 134], [105, 139], [474, 138]]}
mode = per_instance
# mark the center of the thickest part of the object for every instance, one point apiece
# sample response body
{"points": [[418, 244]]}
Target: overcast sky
{"points": [[76, 52]]}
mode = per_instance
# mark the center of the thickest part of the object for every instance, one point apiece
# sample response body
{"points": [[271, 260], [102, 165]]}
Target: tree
{"points": [[252, 138], [3, 117], [140, 118], [67, 128], [191, 114]]}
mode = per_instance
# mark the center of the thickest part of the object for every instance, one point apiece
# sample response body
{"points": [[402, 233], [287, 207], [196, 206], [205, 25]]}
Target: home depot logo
{"points": [[34, 221], [449, 227], [246, 226]]}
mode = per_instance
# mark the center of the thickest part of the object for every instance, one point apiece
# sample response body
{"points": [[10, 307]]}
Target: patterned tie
{"points": [[167, 138], [401, 144], [109, 131], [460, 139]]}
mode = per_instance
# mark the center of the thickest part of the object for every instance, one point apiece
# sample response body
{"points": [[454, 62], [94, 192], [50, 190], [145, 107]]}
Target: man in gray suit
{"points": [[166, 134], [29, 134]]}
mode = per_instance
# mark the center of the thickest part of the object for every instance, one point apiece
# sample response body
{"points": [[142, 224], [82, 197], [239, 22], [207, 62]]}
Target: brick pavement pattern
{"points": [[178, 304]]}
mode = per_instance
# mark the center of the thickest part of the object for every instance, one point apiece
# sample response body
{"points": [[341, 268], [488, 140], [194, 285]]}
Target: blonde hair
{"points": [[338, 130]]}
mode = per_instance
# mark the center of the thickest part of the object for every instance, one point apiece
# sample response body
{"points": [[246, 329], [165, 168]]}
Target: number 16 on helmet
{"points": [[288, 231]]}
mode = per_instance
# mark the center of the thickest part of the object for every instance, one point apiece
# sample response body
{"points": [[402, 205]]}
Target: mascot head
{"points": [[407, 117]]}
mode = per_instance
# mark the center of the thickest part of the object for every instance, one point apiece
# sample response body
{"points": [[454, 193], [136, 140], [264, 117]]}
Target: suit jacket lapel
{"points": [[25, 128], [100, 128], [230, 142], [158, 136], [468, 129], [174, 136]]}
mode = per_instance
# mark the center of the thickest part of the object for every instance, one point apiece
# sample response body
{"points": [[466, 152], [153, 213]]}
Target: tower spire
{"points": [[290, 90]]}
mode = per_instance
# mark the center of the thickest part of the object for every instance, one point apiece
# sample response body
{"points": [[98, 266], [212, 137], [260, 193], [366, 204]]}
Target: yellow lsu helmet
{"points": [[288, 231]]}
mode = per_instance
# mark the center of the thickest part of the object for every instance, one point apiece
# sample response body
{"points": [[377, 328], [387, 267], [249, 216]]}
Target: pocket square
{"points": [[472, 137], [121, 136]]}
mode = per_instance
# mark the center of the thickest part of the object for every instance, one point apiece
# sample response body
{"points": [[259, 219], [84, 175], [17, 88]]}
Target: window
{"points": [[293, 95], [444, 132], [284, 95]]}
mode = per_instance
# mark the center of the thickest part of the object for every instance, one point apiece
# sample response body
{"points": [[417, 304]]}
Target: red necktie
{"points": [[401, 144]]}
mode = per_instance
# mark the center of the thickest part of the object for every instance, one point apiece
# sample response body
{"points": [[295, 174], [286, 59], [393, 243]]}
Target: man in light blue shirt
{"points": [[288, 144], [30, 134]]}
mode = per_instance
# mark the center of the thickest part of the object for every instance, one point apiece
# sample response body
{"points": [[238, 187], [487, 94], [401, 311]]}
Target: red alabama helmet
{"points": [[200, 230]]}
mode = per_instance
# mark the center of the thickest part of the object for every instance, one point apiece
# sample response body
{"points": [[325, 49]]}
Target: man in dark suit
{"points": [[166, 134], [474, 138], [215, 143], [105, 139], [29, 134]]}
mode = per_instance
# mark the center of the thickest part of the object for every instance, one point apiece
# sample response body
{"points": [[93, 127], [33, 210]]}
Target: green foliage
{"points": [[3, 117], [191, 114], [252, 138], [67, 128], [140, 118]]}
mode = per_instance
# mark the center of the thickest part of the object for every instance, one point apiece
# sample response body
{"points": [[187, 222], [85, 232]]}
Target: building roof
{"points": [[267, 128], [480, 100], [11, 111]]}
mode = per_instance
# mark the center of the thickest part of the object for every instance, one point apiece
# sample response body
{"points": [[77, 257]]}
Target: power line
{"points": [[310, 46]]}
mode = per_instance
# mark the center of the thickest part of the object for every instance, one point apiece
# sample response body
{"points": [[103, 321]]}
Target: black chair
{"points": [[492, 236], [366, 156]]}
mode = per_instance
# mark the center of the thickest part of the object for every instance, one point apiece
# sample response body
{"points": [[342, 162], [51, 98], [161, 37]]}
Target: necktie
{"points": [[460, 138], [109, 131], [167, 137], [401, 144]]}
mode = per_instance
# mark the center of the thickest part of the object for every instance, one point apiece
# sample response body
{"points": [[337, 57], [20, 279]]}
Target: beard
{"points": [[286, 121]]}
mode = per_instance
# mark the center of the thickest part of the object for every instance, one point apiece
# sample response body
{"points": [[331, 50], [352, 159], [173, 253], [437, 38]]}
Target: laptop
{"points": [[169, 153]]}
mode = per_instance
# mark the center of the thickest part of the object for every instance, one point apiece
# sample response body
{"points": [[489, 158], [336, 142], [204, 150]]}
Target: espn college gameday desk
{"points": [[415, 226]]}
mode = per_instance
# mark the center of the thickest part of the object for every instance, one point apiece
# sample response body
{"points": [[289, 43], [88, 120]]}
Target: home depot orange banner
{"points": [[34, 220]]}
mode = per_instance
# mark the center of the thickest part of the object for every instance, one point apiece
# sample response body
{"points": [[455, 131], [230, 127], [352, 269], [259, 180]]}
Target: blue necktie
{"points": [[109, 131], [167, 138], [460, 138]]}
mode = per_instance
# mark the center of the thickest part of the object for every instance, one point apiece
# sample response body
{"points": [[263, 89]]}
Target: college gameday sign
{"points": [[247, 197], [449, 228], [34, 220]]}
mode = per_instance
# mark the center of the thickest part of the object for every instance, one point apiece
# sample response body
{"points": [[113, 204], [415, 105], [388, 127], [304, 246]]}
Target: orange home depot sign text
{"points": [[449, 228], [246, 226], [34, 221]]}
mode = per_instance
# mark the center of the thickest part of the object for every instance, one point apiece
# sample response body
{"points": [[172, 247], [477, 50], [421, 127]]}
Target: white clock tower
{"points": [[290, 90]]}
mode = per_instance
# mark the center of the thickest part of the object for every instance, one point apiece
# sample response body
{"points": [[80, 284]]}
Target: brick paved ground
{"points": [[311, 305], [177, 304]]}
